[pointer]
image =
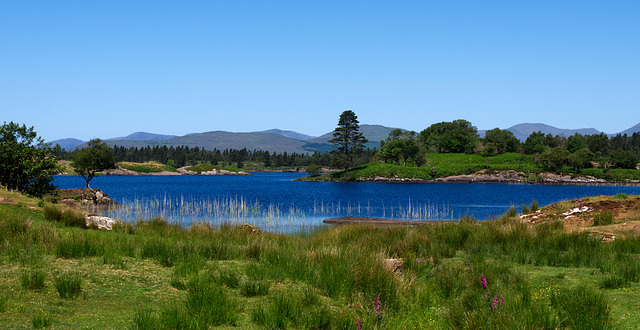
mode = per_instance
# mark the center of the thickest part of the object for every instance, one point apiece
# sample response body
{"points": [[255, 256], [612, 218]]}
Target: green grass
{"points": [[208, 167], [158, 275], [148, 167]]}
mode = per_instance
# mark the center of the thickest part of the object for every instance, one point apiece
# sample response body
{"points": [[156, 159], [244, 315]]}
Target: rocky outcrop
{"points": [[102, 223], [124, 171], [184, 171], [86, 198]]}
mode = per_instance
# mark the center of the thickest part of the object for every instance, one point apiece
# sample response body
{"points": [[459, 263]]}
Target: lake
{"points": [[273, 201]]}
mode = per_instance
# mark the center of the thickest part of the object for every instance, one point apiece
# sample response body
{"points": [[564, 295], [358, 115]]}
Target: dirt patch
{"points": [[578, 215], [6, 200]]}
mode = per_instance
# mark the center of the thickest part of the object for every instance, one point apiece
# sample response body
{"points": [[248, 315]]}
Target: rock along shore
{"points": [[508, 176]]}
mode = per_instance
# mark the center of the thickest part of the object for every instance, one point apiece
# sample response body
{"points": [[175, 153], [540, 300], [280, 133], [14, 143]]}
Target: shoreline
{"points": [[498, 177]]}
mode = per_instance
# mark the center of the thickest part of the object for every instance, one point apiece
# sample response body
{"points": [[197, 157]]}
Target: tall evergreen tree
{"points": [[347, 139]]}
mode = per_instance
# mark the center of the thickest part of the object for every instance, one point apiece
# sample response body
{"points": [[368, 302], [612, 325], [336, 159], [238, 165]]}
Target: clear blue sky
{"points": [[103, 69]]}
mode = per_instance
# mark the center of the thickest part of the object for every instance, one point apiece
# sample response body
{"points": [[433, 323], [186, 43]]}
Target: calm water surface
{"points": [[274, 202]]}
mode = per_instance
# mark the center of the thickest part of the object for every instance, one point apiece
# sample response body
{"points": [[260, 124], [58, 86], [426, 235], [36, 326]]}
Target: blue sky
{"points": [[103, 69]]}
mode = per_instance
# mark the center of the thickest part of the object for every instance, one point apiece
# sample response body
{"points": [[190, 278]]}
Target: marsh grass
{"points": [[68, 284], [234, 211], [210, 304], [581, 308], [252, 288], [41, 320], [33, 279], [66, 216], [603, 218]]}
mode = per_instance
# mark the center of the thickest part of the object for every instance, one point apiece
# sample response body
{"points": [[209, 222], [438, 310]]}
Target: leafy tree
{"points": [[576, 142], [534, 144], [96, 157], [503, 140], [457, 136], [27, 164], [555, 158], [313, 169], [347, 139], [624, 159], [598, 144], [580, 159], [399, 147]]}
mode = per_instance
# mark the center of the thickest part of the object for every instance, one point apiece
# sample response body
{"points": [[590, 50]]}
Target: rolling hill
{"points": [[276, 140]]}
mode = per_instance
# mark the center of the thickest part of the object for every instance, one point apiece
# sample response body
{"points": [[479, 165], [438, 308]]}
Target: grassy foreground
{"points": [[153, 275]]}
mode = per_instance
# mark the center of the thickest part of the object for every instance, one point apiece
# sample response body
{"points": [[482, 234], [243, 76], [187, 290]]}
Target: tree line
{"points": [[187, 156], [551, 151]]}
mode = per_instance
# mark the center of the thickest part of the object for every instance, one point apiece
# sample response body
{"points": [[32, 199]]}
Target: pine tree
{"points": [[347, 139]]}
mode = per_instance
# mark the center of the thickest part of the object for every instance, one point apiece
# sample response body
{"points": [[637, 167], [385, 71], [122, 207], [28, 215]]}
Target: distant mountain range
{"points": [[276, 140], [522, 131]]}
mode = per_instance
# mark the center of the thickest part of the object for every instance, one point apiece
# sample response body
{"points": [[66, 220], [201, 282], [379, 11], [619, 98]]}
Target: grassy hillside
{"points": [[501, 274]]}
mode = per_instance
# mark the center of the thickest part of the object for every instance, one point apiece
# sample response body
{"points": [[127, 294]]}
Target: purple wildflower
{"points": [[358, 324], [484, 282], [501, 300], [495, 300], [468, 264]]}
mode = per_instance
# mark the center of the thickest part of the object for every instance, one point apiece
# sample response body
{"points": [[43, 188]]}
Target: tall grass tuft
{"points": [[210, 304], [582, 308], [33, 279], [41, 320], [3, 302], [67, 216], [13, 224], [603, 218], [146, 319], [68, 284], [251, 288]]}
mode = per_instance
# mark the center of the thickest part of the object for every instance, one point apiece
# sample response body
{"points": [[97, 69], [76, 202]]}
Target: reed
{"points": [[219, 212]]}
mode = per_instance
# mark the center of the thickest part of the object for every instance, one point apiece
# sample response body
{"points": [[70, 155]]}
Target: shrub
{"points": [[33, 279], [621, 196], [68, 284], [603, 218]]}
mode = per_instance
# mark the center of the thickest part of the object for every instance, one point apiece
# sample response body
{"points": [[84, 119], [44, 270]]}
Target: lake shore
{"points": [[484, 176]]}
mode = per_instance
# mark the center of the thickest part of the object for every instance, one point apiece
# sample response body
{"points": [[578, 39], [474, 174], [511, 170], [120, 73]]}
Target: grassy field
{"points": [[148, 167], [208, 167], [153, 275]]}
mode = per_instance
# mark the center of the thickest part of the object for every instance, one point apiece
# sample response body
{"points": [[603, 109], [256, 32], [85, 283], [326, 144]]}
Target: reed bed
{"points": [[268, 216]]}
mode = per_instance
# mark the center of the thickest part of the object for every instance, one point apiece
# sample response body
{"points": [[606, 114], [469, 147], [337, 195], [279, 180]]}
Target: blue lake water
{"points": [[274, 201]]}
